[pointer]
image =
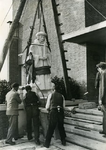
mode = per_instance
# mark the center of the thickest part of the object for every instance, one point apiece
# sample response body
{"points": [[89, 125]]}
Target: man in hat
{"points": [[12, 102], [102, 93], [40, 70]]}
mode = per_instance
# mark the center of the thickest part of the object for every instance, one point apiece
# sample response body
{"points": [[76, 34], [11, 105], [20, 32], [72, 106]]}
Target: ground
{"points": [[24, 144]]}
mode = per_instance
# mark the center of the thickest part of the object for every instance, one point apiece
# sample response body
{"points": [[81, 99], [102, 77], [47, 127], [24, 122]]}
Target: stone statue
{"points": [[41, 62]]}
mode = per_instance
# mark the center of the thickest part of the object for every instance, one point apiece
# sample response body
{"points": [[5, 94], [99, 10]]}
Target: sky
{"points": [[5, 16]]}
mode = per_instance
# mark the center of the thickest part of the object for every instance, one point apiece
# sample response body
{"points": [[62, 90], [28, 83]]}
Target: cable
{"points": [[96, 9], [45, 29], [7, 13]]}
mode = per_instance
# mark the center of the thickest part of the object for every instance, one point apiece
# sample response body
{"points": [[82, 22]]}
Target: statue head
{"points": [[41, 37]]}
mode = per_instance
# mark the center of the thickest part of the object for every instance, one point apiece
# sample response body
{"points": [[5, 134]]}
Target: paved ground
{"points": [[24, 144]]}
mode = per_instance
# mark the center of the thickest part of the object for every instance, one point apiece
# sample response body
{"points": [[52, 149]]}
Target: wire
{"points": [[7, 13], [96, 9]]}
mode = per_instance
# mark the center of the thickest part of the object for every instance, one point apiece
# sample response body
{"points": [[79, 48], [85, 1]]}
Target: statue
{"points": [[39, 71]]}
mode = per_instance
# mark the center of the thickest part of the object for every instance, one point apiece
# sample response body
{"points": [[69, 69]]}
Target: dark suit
{"points": [[31, 103], [56, 117], [102, 96]]}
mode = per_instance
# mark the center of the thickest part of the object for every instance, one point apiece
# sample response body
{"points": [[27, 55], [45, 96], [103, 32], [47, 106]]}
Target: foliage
{"points": [[74, 87], [4, 88], [60, 83]]}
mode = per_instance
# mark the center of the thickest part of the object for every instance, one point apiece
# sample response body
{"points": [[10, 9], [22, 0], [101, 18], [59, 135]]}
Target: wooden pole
{"points": [[11, 33], [65, 69]]}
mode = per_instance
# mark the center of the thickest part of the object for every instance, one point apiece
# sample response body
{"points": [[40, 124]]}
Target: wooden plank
{"points": [[89, 111], [83, 124], [93, 111], [87, 117], [86, 142], [89, 134], [75, 102], [69, 146], [87, 121], [11, 33]]}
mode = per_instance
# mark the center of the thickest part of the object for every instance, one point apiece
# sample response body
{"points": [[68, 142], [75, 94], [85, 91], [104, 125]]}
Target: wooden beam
{"points": [[85, 125], [85, 142], [11, 33], [89, 134]]}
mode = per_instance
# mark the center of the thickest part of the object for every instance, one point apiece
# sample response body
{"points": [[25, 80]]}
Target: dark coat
{"points": [[102, 87], [31, 103]]}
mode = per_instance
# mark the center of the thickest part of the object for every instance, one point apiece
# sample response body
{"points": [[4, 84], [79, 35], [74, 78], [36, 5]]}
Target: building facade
{"points": [[78, 18]]}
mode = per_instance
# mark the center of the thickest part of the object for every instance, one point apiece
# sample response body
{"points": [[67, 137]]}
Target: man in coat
{"points": [[12, 102], [102, 93], [31, 103]]}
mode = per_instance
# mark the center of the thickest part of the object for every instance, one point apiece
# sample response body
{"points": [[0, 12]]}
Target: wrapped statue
{"points": [[39, 70]]}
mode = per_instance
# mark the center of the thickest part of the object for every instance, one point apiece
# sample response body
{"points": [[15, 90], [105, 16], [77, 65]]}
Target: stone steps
{"points": [[82, 129]]}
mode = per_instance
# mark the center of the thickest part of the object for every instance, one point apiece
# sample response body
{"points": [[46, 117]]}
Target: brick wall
{"points": [[73, 19]]}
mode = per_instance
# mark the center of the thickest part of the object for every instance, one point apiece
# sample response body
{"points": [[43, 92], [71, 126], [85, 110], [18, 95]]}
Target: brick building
{"points": [[83, 27]]}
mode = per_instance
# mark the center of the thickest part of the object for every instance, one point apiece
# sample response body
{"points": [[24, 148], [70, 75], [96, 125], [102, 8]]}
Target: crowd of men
{"points": [[55, 106]]}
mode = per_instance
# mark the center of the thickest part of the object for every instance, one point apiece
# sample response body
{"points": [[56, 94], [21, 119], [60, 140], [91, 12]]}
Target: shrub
{"points": [[74, 87], [4, 89], [60, 83]]}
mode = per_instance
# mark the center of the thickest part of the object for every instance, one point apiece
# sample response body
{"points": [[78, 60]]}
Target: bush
{"points": [[74, 87], [60, 83], [4, 89]]}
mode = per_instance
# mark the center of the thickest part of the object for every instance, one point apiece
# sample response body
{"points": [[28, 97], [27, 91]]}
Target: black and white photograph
{"points": [[52, 74]]}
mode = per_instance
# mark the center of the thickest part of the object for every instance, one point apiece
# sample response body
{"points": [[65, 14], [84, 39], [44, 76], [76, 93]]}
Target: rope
{"points": [[32, 28], [40, 90], [45, 27], [31, 33], [7, 13], [96, 9]]}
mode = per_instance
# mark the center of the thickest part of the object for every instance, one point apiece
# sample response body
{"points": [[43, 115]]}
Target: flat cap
{"points": [[101, 65], [28, 87], [15, 85], [41, 33]]}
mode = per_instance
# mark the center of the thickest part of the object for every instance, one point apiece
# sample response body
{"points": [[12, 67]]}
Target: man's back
{"points": [[12, 100]]}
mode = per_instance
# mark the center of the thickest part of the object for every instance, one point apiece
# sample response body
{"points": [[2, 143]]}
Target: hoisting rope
{"points": [[30, 41], [7, 13], [39, 11], [31, 33], [96, 9], [45, 29]]}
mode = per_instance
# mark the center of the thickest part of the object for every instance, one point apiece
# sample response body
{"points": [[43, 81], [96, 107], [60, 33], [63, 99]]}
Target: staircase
{"points": [[82, 129]]}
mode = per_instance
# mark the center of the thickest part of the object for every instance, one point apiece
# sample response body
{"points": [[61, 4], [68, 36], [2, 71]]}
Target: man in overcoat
{"points": [[102, 93], [12, 102]]}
